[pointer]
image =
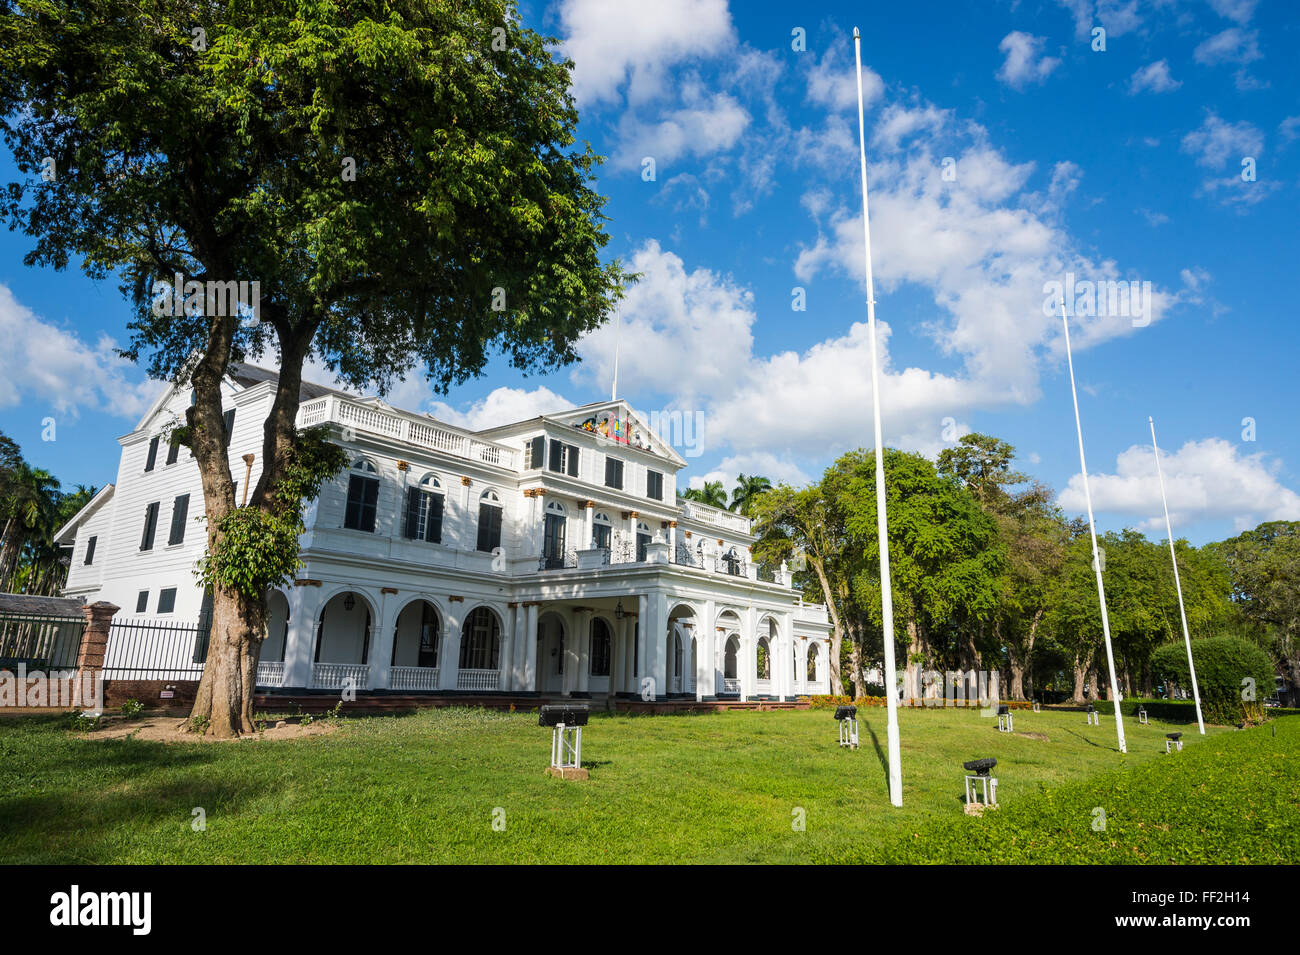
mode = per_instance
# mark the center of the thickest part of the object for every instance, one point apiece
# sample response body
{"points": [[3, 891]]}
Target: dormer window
{"points": [[363, 496]]}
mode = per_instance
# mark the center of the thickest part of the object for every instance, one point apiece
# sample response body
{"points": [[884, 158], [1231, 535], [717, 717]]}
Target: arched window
{"points": [[763, 659], [363, 496], [729, 658], [554, 535], [812, 662], [643, 538], [602, 531], [424, 509], [418, 635], [489, 521], [601, 643], [480, 642]]}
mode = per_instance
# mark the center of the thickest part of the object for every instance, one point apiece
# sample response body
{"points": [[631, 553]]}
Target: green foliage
{"points": [[82, 722], [132, 709], [713, 494], [254, 549], [1222, 664]]}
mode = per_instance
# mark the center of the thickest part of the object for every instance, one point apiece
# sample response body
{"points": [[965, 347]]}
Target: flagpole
{"points": [[1173, 556], [886, 588], [1092, 531], [618, 332]]}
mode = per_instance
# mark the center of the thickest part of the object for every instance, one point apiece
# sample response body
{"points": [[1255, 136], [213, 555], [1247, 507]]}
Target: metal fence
{"points": [[40, 642], [156, 650]]}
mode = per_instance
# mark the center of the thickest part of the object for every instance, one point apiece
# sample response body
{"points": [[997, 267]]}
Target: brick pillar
{"points": [[94, 640]]}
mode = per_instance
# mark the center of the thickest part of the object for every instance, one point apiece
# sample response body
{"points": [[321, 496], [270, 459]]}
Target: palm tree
{"points": [[712, 494], [30, 509], [746, 491]]}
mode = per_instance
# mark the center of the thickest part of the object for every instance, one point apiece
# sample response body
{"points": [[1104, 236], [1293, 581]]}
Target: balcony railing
{"points": [[413, 678], [478, 679], [714, 516], [363, 416], [270, 674], [730, 685], [336, 676]]}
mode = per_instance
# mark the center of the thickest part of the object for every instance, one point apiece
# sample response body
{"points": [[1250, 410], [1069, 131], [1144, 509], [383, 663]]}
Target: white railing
{"points": [[763, 687], [335, 676], [730, 685], [413, 678], [677, 684], [405, 427], [715, 516], [478, 679], [270, 674]]}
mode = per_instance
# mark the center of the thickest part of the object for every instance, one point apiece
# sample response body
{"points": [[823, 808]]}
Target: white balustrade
{"points": [[413, 678], [478, 679], [335, 676], [270, 674]]}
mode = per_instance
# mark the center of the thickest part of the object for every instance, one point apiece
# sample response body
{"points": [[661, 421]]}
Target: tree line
{"points": [[33, 505], [989, 574]]}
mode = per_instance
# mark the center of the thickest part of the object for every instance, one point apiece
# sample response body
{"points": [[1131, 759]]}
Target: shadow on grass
{"points": [[1113, 749], [880, 755]]}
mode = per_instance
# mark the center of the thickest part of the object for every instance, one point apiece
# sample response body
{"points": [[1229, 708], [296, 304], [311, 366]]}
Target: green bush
{"points": [[1222, 664], [1173, 711]]}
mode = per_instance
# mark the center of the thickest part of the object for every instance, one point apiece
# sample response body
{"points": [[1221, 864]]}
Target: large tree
{"points": [[30, 508], [401, 178]]}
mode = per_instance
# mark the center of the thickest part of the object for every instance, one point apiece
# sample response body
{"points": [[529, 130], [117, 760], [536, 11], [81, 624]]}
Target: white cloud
{"points": [[614, 45], [1205, 480], [1239, 11], [703, 127], [43, 362], [1224, 147], [1117, 17], [1025, 62], [834, 84], [1233, 45], [500, 407], [1154, 77]]}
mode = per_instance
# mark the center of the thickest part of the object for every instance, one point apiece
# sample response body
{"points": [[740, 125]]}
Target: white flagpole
{"points": [[1092, 531], [1173, 556], [886, 588], [618, 332]]}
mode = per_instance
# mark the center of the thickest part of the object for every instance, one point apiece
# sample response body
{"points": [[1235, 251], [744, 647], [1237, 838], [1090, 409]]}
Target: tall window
{"points": [[180, 510], [152, 458], [564, 458], [480, 644], [90, 550], [535, 453], [150, 526], [600, 647], [553, 535], [363, 496], [424, 511], [173, 448], [167, 600], [613, 473], [602, 531], [643, 538], [654, 485], [489, 521]]}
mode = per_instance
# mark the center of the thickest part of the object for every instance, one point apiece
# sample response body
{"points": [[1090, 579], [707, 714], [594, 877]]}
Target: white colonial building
{"points": [[547, 556]]}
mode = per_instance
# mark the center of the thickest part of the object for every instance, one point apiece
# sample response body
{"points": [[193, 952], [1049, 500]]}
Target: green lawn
{"points": [[709, 788]]}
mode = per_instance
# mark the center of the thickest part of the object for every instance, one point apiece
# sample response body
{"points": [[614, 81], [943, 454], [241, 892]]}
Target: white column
{"points": [[587, 513], [672, 542], [748, 651], [519, 652], [582, 649], [670, 658], [642, 651], [655, 638], [305, 605], [787, 656], [505, 662], [531, 683], [631, 654], [381, 642], [449, 660]]}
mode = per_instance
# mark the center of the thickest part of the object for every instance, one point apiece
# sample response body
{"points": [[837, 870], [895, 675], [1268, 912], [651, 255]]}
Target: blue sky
{"points": [[1123, 164]]}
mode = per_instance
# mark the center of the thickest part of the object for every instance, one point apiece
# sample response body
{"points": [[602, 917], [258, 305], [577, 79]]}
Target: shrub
{"points": [[132, 709], [1223, 664]]}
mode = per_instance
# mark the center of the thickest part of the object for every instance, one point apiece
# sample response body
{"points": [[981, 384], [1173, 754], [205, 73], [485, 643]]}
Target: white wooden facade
{"points": [[588, 589]]}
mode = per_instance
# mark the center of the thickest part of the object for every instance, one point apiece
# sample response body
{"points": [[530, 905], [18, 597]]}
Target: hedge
{"points": [[1222, 664], [828, 702]]}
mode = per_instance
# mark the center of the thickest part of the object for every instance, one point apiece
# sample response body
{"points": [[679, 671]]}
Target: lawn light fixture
{"points": [[1173, 739], [1142, 716], [847, 717], [349, 602], [978, 781], [1038, 707], [566, 722], [1094, 718], [1004, 719]]}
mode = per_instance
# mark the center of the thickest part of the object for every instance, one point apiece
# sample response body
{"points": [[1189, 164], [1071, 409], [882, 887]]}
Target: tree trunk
{"points": [[837, 627], [1093, 695], [1079, 674], [917, 649], [855, 662], [1017, 682]]}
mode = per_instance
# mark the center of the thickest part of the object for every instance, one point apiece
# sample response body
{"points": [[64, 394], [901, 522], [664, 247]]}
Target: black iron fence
{"points": [[156, 650], [40, 642]]}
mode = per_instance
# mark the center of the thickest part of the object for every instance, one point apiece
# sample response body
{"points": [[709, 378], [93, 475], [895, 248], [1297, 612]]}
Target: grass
{"points": [[726, 788]]}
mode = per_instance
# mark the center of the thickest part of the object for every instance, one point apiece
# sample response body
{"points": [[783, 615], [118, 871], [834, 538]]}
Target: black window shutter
{"points": [[496, 528], [90, 550], [142, 601], [180, 510], [484, 531], [370, 504], [434, 529], [412, 513], [229, 419], [153, 454], [173, 449], [557, 456], [150, 525], [573, 461], [537, 455]]}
